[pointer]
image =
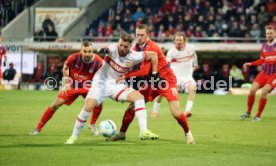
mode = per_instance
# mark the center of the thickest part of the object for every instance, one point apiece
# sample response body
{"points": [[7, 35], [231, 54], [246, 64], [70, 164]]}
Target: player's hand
{"points": [[4, 64], [121, 79], [103, 51], [156, 77], [246, 65]]}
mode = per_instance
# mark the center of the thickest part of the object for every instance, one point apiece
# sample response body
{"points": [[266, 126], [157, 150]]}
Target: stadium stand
{"points": [[9, 9], [197, 18]]}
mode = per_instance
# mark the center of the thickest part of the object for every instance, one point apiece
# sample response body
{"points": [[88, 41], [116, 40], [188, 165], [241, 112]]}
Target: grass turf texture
{"points": [[221, 138]]}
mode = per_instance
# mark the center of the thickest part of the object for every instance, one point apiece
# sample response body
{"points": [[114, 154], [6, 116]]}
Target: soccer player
{"points": [[183, 62], [266, 79], [78, 71], [119, 60], [169, 92], [3, 53]]}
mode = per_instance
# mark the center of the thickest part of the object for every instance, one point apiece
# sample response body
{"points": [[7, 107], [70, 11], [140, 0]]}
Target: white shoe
{"points": [[34, 132], [93, 129], [189, 138], [70, 141]]}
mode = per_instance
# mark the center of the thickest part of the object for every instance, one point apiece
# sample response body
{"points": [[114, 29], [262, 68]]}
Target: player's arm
{"points": [[66, 78], [152, 56], [144, 71], [195, 62], [256, 62], [5, 57]]}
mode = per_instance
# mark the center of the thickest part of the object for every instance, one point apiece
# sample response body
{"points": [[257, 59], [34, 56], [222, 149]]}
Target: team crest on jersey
{"points": [[128, 63], [90, 71]]}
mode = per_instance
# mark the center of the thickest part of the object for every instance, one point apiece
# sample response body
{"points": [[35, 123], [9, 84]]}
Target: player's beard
{"points": [[86, 59]]}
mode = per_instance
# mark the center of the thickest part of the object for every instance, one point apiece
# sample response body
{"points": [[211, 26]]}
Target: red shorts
{"points": [[170, 92], [73, 94], [263, 79]]}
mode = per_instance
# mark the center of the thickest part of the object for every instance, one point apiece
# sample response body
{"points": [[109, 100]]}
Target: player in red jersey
{"points": [[266, 79], [170, 92], [78, 72], [3, 53]]}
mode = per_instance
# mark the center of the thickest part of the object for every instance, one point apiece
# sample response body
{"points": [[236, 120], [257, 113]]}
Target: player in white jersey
{"points": [[119, 60], [183, 61]]}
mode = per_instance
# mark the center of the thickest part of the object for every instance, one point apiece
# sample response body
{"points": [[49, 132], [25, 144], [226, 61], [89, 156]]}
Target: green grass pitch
{"points": [[221, 138]]}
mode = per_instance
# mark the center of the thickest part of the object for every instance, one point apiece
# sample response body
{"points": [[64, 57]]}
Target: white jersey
{"points": [[182, 61], [115, 66]]}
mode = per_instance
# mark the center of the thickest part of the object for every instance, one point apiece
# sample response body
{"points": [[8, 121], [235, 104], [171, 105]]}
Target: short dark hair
{"points": [[86, 44], [126, 37], [270, 27], [143, 26], [180, 34]]}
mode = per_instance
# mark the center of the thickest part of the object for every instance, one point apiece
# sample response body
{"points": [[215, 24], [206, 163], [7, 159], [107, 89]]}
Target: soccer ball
{"points": [[107, 128]]}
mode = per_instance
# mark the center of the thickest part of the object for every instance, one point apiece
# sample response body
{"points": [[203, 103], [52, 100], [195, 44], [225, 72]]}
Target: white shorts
{"points": [[102, 90], [184, 83]]}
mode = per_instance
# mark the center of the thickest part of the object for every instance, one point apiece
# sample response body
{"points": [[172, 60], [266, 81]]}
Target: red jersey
{"points": [[80, 71], [163, 67], [267, 59], [3, 51]]}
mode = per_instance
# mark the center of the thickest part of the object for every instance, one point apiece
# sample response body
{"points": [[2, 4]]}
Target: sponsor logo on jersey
{"points": [[80, 76], [116, 66]]}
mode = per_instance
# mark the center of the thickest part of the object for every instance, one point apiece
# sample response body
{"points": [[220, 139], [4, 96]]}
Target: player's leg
{"points": [[141, 114], [262, 102], [156, 106], [190, 101], [250, 100], [182, 120], [47, 115], [95, 114], [127, 119], [89, 105]]}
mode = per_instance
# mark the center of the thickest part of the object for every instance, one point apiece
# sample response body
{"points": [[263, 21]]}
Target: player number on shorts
{"points": [[174, 91]]}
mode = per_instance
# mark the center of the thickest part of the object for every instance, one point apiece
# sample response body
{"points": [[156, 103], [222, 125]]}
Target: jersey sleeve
{"points": [[143, 71], [69, 60], [112, 49], [169, 56], [259, 61], [137, 57]]}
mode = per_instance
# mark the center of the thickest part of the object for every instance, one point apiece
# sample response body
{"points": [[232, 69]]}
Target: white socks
{"points": [[156, 107], [189, 106], [141, 114], [81, 119]]}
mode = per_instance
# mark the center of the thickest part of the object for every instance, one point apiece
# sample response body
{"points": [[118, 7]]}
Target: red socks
{"points": [[96, 113], [128, 117], [45, 118], [262, 103], [182, 121], [250, 102]]}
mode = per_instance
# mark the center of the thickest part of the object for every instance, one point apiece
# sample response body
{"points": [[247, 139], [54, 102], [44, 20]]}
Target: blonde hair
{"points": [[180, 34]]}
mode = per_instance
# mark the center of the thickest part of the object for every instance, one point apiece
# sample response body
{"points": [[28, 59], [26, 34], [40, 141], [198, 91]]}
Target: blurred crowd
{"points": [[9, 9], [197, 18]]}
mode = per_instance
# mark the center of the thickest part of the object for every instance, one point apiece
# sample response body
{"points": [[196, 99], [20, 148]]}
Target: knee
{"points": [[140, 96], [252, 91], [88, 108], [55, 107], [176, 113], [264, 94], [131, 107]]}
